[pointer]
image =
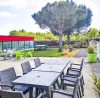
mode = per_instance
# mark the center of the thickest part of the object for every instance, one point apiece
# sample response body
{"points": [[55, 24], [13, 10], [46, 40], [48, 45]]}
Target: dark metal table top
{"points": [[53, 67], [37, 79]]}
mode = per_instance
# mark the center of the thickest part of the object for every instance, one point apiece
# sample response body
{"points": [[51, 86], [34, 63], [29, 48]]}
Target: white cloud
{"points": [[14, 3], [4, 29], [6, 14]]}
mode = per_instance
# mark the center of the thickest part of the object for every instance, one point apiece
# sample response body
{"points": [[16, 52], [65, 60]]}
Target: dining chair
{"points": [[11, 94], [6, 78], [71, 80], [75, 66], [76, 71], [14, 94], [26, 67], [37, 62], [73, 93]]}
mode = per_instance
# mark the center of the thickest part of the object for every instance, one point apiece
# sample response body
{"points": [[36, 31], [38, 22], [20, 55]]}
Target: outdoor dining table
{"points": [[53, 67], [38, 79], [57, 62], [43, 77]]}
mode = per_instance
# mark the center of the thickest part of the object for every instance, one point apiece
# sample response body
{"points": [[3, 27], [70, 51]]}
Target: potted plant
{"points": [[66, 50], [92, 56], [70, 48]]}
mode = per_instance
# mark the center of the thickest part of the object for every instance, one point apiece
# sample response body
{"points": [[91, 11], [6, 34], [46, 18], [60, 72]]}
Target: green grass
{"points": [[47, 53], [50, 52]]}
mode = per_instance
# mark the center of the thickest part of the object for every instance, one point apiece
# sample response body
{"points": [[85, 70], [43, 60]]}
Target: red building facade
{"points": [[16, 43]]}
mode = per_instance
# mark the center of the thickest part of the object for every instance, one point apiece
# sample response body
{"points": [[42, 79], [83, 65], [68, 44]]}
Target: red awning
{"points": [[16, 38]]}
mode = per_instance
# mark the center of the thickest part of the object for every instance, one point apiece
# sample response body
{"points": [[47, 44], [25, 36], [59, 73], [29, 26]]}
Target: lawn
{"points": [[50, 52], [47, 53]]}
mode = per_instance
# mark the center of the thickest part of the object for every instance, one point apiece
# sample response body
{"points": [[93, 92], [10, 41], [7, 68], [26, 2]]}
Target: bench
{"points": [[40, 47]]}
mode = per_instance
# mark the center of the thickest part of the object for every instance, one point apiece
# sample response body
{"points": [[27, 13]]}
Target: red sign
{"points": [[16, 38]]}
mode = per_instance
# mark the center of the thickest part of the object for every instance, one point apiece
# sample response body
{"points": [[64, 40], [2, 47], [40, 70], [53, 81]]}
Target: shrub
{"points": [[79, 45], [91, 49], [70, 48], [65, 46]]}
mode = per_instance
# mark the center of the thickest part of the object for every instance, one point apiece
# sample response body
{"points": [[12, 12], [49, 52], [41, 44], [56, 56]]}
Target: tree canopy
{"points": [[63, 17]]}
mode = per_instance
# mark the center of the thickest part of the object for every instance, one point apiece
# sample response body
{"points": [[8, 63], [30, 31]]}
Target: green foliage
{"points": [[70, 47], [65, 46], [96, 81], [79, 44], [91, 50], [93, 33]]}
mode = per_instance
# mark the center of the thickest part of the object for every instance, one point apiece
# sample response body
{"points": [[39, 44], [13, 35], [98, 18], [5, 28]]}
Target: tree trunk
{"points": [[60, 42], [68, 38]]}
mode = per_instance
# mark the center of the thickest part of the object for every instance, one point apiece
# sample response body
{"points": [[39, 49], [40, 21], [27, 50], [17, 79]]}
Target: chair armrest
{"points": [[68, 80], [42, 63], [18, 76], [33, 68], [61, 92], [74, 70], [69, 75], [6, 85], [75, 64]]}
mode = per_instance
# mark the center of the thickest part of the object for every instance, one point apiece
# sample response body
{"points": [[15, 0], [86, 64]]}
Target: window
{"points": [[0, 47], [6, 46], [31, 44], [15, 45], [27, 44], [21, 45]]}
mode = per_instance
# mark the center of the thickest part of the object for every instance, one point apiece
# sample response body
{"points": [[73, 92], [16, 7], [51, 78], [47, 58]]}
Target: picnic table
{"points": [[40, 47]]}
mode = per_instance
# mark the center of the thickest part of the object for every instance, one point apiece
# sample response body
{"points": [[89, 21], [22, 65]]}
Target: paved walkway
{"points": [[87, 71], [82, 53]]}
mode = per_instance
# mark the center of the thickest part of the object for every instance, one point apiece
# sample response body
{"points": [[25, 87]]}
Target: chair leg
{"points": [[83, 80], [82, 86], [58, 84]]}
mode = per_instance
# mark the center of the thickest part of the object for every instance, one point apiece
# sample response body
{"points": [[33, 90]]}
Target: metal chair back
{"points": [[7, 76], [26, 67], [37, 62], [11, 94]]}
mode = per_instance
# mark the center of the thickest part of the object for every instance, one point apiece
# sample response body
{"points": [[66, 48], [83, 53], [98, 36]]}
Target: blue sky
{"points": [[16, 14]]}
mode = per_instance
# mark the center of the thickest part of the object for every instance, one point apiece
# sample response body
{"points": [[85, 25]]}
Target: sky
{"points": [[16, 14]]}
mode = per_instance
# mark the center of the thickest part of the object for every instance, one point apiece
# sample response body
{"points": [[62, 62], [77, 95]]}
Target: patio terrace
{"points": [[88, 69]]}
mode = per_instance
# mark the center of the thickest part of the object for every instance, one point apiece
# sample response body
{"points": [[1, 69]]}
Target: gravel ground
{"points": [[87, 71]]}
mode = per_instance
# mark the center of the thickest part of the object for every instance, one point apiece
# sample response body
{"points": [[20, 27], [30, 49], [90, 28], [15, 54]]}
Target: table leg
{"points": [[31, 92], [48, 93]]}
